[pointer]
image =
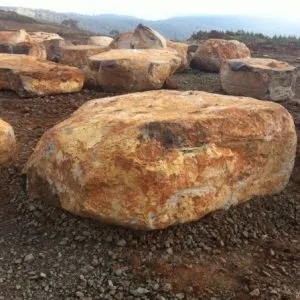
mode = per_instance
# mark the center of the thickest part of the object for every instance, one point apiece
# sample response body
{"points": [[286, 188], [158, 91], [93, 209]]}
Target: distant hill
{"points": [[11, 20], [173, 28]]}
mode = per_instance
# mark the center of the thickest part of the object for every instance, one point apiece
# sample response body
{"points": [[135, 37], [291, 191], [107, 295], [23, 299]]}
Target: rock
{"points": [[127, 70], [99, 40], [14, 37], [260, 78], [255, 293], [154, 159], [7, 143], [122, 41], [29, 258], [19, 42], [213, 52], [28, 76], [50, 41], [145, 37], [181, 49], [77, 55], [170, 84]]}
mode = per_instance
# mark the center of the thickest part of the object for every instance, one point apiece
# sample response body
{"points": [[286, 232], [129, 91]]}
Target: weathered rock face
{"points": [[260, 78], [51, 41], [77, 55], [7, 143], [28, 76], [181, 49], [122, 41], [154, 159], [127, 70], [213, 52], [102, 41], [145, 37], [14, 37]]}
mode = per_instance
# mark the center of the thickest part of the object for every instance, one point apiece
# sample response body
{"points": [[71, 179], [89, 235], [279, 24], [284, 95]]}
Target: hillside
{"points": [[14, 21], [174, 28]]}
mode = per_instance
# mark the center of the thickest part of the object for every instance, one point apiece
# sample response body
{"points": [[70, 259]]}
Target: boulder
{"points": [[154, 159], [126, 70], [26, 48], [51, 41], [122, 41], [29, 76], [145, 37], [14, 37], [77, 55], [181, 49], [7, 143], [260, 78], [102, 41], [213, 52], [19, 42]]}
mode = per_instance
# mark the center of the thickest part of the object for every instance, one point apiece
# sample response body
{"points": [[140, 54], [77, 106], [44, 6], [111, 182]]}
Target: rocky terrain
{"points": [[247, 252]]}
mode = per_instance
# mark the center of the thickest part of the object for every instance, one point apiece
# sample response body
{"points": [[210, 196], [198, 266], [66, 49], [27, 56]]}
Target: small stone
{"points": [[29, 258], [139, 291], [180, 296], [272, 252], [43, 275], [79, 294], [170, 251], [121, 243], [255, 293]]}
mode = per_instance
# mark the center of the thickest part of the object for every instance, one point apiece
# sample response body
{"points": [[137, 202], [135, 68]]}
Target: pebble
{"points": [[79, 294], [29, 258], [255, 293]]}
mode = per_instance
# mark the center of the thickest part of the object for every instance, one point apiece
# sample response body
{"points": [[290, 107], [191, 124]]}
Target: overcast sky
{"points": [[161, 9]]}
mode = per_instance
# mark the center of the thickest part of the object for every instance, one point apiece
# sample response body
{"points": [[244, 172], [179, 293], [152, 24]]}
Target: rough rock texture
{"points": [[98, 40], [27, 48], [260, 78], [51, 41], [154, 159], [14, 37], [77, 55], [145, 37], [213, 52], [28, 76], [126, 70], [19, 42], [122, 41], [181, 49], [7, 143]]}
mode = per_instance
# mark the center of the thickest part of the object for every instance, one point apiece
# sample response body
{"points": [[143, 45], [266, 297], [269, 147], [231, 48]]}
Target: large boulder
{"points": [[77, 55], [28, 76], [122, 41], [51, 41], [181, 49], [7, 143], [127, 70], [145, 37], [153, 159], [213, 52], [19, 42], [27, 48], [99, 40], [261, 78], [14, 37]]}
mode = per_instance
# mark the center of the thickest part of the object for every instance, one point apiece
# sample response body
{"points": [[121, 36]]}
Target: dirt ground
{"points": [[248, 252]]}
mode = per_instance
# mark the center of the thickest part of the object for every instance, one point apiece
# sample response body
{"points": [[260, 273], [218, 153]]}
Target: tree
{"points": [[72, 23], [114, 32]]}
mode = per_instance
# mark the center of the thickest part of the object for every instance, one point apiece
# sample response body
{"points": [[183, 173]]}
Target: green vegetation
{"points": [[244, 36]]}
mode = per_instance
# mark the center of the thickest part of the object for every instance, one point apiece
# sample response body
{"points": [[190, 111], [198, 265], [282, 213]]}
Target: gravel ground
{"points": [[248, 252]]}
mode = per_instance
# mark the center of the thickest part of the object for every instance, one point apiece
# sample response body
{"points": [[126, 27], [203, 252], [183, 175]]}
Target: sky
{"points": [[162, 9]]}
